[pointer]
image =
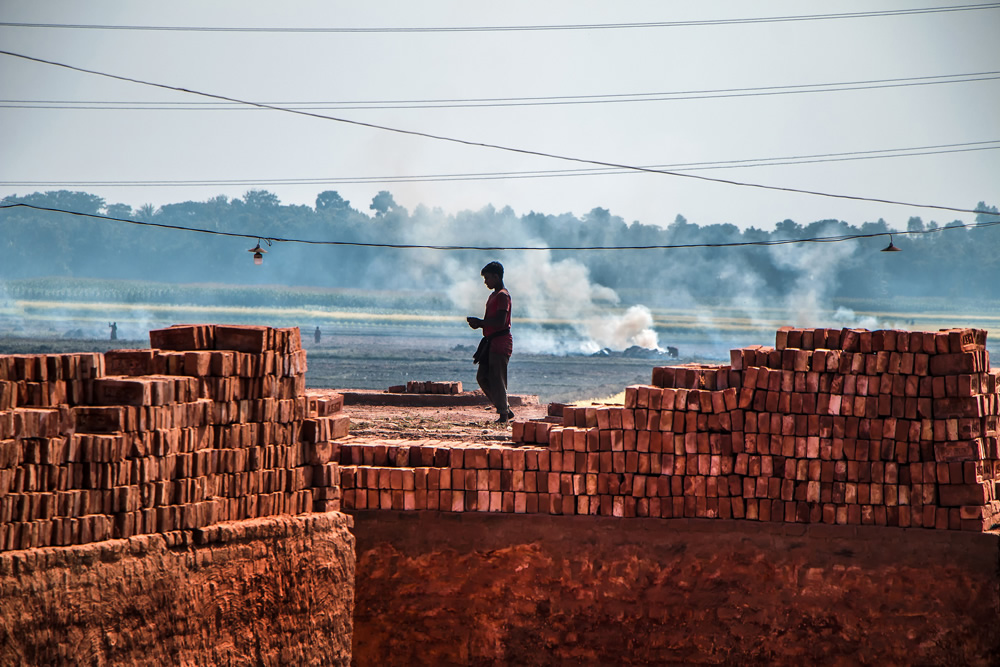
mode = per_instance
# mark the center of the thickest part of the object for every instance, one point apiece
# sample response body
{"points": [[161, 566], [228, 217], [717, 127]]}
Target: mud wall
{"points": [[473, 588], [276, 590]]}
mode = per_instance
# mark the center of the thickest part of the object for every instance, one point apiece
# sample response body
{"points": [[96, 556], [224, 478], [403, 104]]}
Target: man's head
{"points": [[496, 268], [492, 275]]}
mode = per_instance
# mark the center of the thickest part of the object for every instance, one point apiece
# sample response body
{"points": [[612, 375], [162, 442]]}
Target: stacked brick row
{"points": [[211, 424], [536, 431], [427, 387], [836, 426], [45, 381], [322, 431], [437, 475]]}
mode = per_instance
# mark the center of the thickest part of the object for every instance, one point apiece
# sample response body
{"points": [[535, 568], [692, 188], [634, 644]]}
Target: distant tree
{"points": [[915, 224], [119, 211], [753, 234], [383, 202], [145, 212], [184, 212], [787, 229], [261, 199], [724, 233], [680, 230], [81, 202], [879, 227], [680, 222], [992, 215], [330, 201], [829, 227]]}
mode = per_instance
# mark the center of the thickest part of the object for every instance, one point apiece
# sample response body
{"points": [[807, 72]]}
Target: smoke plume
{"points": [[578, 315]]}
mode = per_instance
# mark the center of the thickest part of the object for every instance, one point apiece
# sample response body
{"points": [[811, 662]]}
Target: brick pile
{"points": [[211, 424], [427, 387], [436, 475], [838, 426], [536, 431]]}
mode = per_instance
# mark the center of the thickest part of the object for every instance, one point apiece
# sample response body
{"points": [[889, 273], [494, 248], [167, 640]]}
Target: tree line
{"points": [[950, 263]]}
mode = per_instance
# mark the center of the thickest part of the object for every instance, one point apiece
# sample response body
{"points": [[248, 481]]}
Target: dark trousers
{"points": [[493, 381]]}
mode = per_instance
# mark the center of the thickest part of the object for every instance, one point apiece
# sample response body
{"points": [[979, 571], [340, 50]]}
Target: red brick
{"points": [[128, 362], [251, 339], [954, 495], [183, 337], [955, 364]]}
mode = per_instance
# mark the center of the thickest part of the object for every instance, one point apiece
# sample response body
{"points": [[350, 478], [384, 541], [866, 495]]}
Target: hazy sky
{"points": [[43, 149]]}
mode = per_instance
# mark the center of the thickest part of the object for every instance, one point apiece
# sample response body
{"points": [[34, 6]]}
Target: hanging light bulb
{"points": [[258, 253], [890, 247]]}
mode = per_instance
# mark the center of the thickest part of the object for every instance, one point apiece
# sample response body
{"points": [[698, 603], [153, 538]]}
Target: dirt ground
{"points": [[471, 423]]}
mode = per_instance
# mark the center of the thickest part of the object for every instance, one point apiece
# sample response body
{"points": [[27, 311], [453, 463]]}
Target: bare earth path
{"points": [[472, 423]]}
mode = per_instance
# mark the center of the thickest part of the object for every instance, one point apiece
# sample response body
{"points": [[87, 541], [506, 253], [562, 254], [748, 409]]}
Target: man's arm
{"points": [[497, 320]]}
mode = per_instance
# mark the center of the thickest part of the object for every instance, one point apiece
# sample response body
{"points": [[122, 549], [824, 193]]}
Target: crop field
{"points": [[373, 339]]}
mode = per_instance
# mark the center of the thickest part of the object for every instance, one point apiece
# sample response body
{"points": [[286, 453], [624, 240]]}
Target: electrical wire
{"points": [[496, 102], [477, 144], [940, 149], [521, 28], [414, 246]]}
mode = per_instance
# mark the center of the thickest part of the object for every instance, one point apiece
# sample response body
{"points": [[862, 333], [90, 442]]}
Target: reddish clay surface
{"points": [[474, 588]]}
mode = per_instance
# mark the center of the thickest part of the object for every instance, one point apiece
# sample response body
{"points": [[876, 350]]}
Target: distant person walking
{"points": [[114, 330], [317, 335], [497, 344]]}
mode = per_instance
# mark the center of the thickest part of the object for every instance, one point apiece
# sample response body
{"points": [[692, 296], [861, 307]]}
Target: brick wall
{"points": [[833, 426], [211, 424]]}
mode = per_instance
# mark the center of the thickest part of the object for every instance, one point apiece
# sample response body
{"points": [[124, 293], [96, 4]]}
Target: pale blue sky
{"points": [[282, 68]]}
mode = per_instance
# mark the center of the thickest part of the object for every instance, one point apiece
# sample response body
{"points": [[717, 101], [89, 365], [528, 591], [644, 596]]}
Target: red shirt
{"points": [[499, 302]]}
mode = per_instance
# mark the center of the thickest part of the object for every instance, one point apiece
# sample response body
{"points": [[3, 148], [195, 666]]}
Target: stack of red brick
{"points": [[836, 426], [321, 432], [437, 475], [536, 431], [212, 424], [419, 387]]}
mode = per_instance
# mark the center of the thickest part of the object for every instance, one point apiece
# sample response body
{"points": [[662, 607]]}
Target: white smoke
{"points": [[11, 315], [846, 317], [618, 332], [816, 268], [806, 299], [560, 294]]}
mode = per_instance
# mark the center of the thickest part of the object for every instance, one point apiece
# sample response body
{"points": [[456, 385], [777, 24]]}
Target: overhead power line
{"points": [[415, 246], [518, 28], [493, 102], [940, 149], [478, 144]]}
